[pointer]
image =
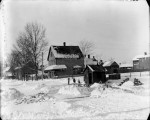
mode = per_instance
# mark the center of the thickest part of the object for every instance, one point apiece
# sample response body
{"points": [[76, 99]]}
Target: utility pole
{"points": [[42, 65]]}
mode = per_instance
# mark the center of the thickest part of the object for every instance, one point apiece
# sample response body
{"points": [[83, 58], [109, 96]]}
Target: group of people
{"points": [[74, 82]]}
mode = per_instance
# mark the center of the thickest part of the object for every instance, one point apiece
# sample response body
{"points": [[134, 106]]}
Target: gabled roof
{"points": [[97, 68], [65, 52], [109, 63]]}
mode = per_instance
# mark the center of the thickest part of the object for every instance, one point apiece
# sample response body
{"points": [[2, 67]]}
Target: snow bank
{"points": [[45, 89], [39, 86], [84, 90], [100, 92], [114, 85], [11, 94], [97, 92], [128, 84], [69, 90], [36, 111], [95, 85], [139, 90]]}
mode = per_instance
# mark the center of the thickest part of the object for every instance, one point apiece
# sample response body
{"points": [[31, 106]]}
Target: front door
{"points": [[90, 78]]}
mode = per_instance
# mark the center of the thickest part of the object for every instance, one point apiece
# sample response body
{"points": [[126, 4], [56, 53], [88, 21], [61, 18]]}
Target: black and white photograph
{"points": [[74, 60]]}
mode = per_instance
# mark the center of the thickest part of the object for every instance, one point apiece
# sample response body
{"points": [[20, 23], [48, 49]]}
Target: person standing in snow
{"points": [[74, 81], [79, 84], [68, 81]]}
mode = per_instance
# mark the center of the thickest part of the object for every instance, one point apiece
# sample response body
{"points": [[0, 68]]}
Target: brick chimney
{"points": [[94, 58], [64, 43]]}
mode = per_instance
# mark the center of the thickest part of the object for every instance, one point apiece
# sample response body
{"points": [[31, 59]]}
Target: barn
{"points": [[94, 73]]}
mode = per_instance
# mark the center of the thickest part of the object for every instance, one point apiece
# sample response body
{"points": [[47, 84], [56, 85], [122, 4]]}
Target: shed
{"points": [[94, 73], [111, 67]]}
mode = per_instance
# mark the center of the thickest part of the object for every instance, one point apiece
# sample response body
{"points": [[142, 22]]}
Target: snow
{"points": [[95, 85], [55, 67], [39, 86], [96, 93], [45, 89], [128, 84], [114, 85], [125, 65], [140, 56], [11, 94], [69, 90], [54, 99]]}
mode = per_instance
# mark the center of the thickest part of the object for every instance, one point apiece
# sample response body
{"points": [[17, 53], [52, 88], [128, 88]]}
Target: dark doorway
{"points": [[90, 78], [115, 71]]}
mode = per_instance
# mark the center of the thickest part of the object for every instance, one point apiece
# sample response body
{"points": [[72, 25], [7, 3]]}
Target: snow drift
{"points": [[69, 90], [95, 85], [84, 90], [39, 86], [11, 94], [97, 92], [45, 89], [128, 84]]}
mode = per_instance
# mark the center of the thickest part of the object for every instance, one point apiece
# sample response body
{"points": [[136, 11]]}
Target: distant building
{"points": [[125, 67], [24, 72], [141, 62], [7, 73], [94, 73], [64, 61], [111, 67]]}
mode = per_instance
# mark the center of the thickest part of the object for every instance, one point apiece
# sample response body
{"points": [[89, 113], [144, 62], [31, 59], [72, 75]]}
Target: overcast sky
{"points": [[119, 29]]}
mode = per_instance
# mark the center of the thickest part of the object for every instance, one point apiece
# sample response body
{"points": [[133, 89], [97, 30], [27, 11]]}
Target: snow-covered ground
{"points": [[54, 99]]}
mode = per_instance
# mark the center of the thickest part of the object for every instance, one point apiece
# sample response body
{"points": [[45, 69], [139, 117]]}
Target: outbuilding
{"points": [[111, 67], [94, 73]]}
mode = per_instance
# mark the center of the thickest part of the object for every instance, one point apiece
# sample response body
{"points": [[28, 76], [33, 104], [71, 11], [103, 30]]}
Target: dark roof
{"points": [[65, 51], [96, 68], [68, 49]]}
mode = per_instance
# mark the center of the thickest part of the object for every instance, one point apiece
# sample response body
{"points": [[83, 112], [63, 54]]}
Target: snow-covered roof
{"points": [[140, 56], [96, 68], [126, 65], [55, 67], [8, 74], [6, 69], [66, 51], [17, 68], [77, 66], [107, 63]]}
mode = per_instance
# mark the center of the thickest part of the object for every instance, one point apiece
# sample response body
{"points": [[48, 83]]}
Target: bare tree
{"points": [[86, 47], [14, 60], [111, 59], [31, 43]]}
